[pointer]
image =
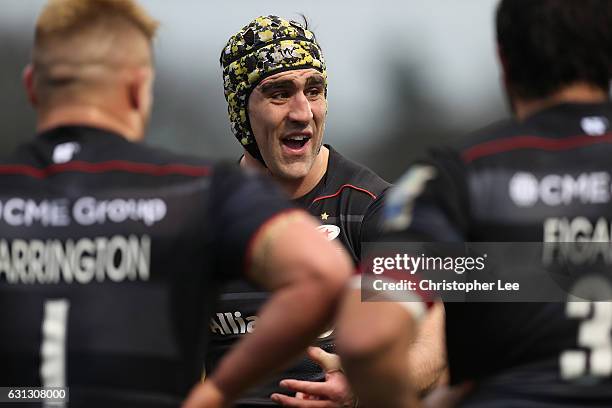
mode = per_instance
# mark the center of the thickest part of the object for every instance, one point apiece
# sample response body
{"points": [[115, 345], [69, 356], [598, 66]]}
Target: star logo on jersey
{"points": [[324, 216], [332, 231]]}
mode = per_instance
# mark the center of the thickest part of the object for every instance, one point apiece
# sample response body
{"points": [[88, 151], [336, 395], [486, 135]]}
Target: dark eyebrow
{"points": [[275, 86], [316, 80]]}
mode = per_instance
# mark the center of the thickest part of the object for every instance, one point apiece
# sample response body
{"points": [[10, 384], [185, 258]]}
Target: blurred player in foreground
{"points": [[110, 251], [275, 83], [544, 175]]}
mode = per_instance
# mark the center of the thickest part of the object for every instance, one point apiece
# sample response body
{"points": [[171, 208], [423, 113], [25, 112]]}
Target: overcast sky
{"points": [[448, 43]]}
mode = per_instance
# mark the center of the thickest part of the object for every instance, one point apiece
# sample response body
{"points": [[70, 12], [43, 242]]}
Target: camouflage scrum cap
{"points": [[264, 47]]}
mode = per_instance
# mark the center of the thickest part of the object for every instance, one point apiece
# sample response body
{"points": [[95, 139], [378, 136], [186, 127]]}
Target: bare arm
{"points": [[373, 341], [427, 355], [307, 274], [425, 360]]}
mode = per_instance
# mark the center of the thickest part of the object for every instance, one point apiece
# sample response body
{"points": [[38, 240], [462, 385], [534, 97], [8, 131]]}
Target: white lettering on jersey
{"points": [[19, 212], [229, 323], [566, 238], [524, 189], [553, 190], [89, 211], [82, 261], [578, 229], [23, 212], [232, 323]]}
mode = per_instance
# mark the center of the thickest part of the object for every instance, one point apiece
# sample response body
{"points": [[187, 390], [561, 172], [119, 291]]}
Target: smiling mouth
{"points": [[295, 142]]}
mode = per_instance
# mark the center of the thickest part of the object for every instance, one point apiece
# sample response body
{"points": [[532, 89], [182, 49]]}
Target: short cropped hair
{"points": [[548, 44], [61, 17]]}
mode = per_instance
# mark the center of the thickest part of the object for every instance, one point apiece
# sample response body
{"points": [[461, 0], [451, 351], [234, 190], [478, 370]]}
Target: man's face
{"points": [[287, 114]]}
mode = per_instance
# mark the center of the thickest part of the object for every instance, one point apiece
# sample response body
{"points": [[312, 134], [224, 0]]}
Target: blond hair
{"points": [[65, 17], [82, 45]]}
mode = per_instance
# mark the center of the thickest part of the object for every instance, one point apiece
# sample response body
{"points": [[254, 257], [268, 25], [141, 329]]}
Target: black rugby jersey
{"points": [[547, 178], [348, 203], [109, 255]]}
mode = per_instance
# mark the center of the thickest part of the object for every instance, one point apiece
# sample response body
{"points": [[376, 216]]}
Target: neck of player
{"points": [[579, 92], [294, 188], [127, 124]]}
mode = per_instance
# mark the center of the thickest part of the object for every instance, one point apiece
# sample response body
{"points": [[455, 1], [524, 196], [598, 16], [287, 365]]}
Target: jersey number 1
{"points": [[53, 345]]}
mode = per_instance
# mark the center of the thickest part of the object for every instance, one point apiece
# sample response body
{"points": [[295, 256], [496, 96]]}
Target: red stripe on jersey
{"points": [[531, 142], [103, 167], [363, 190]]}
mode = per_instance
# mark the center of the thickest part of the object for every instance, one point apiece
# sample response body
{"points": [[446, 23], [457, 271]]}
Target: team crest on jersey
{"points": [[332, 231]]}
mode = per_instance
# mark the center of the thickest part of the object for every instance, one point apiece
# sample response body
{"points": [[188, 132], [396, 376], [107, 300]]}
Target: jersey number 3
{"points": [[594, 335]]}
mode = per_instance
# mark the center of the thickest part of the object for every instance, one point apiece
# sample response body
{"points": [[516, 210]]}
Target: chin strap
{"points": [[254, 151]]}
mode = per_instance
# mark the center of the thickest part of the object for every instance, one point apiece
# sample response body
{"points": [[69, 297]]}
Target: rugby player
{"points": [[275, 83], [110, 251], [544, 175]]}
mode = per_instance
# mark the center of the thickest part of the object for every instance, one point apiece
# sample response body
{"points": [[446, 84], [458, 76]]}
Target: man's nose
{"points": [[300, 109]]}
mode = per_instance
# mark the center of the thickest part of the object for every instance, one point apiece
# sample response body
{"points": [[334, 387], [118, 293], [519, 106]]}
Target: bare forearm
{"points": [[307, 274], [425, 373], [373, 341], [387, 384], [427, 355]]}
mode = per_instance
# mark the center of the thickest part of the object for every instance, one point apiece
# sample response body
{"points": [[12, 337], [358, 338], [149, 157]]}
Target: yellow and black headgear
{"points": [[264, 47]]}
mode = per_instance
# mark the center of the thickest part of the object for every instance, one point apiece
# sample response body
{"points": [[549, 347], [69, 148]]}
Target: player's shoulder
{"points": [[494, 131], [226, 177], [491, 140], [454, 159], [143, 152], [355, 178], [439, 179], [556, 129], [448, 167], [90, 145], [75, 160]]}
